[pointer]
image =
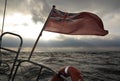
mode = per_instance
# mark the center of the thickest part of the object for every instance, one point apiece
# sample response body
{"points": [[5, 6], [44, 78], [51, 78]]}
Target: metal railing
{"points": [[17, 52]]}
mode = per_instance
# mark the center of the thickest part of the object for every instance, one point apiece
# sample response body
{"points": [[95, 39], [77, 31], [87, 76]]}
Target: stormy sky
{"points": [[27, 17]]}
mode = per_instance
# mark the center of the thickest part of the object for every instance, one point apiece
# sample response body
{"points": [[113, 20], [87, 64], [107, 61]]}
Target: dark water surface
{"points": [[95, 66]]}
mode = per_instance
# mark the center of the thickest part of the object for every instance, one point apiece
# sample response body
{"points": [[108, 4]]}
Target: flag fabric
{"points": [[84, 23]]}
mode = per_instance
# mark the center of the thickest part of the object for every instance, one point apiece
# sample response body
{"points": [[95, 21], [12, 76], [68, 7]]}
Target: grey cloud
{"points": [[14, 6], [67, 42], [75, 5], [84, 42], [40, 10], [2, 3]]}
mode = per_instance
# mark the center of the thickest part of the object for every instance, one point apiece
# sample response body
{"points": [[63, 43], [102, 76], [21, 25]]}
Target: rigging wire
{"points": [[4, 17], [2, 31]]}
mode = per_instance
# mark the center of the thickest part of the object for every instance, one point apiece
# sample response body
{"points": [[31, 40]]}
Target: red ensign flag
{"points": [[83, 23]]}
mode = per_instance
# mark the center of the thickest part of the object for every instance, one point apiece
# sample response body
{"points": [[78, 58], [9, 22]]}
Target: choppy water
{"points": [[95, 66]]}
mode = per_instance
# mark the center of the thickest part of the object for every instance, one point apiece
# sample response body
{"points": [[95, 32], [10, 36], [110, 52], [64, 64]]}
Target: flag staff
{"points": [[40, 34]]}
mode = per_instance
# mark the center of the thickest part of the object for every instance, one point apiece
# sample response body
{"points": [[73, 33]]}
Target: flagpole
{"points": [[40, 34]]}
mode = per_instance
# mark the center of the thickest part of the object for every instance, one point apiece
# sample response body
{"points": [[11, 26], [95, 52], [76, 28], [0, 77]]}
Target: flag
{"points": [[84, 23]]}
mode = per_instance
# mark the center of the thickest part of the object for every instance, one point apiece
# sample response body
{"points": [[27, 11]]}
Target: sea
{"points": [[94, 65]]}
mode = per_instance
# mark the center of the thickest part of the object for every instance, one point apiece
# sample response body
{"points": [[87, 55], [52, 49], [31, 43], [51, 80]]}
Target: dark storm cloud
{"points": [[40, 10], [2, 5], [68, 42], [84, 42], [78, 5]]}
